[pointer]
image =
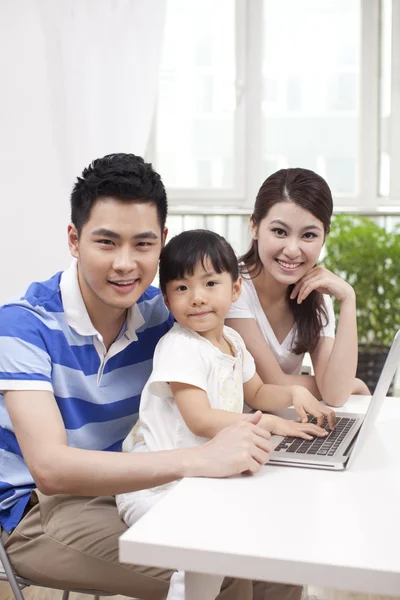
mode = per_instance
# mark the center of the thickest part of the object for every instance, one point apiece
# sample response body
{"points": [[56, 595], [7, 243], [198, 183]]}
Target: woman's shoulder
{"points": [[249, 290], [245, 306]]}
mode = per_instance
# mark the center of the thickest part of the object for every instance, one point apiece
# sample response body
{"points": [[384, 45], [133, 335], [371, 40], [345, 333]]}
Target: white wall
{"points": [[34, 203], [78, 80]]}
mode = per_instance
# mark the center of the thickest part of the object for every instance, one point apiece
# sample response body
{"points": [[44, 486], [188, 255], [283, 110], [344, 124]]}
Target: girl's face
{"points": [[290, 240], [201, 301]]}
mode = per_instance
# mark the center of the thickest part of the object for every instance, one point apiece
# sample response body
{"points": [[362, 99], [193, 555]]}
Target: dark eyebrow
{"points": [[209, 274], [206, 274], [312, 227], [280, 223], [112, 234], [146, 235], [106, 233], [307, 228]]}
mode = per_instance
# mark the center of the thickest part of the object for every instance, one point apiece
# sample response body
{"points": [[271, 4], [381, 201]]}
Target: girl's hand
{"points": [[323, 281], [301, 430], [306, 404]]}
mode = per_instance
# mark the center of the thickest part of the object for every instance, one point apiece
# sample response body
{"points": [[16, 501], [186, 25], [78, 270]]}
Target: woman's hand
{"points": [[306, 404], [323, 281], [286, 427]]}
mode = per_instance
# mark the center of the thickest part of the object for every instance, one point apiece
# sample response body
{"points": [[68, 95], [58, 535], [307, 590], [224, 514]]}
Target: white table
{"points": [[332, 529]]}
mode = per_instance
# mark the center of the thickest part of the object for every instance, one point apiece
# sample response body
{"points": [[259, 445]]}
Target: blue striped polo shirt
{"points": [[48, 342]]}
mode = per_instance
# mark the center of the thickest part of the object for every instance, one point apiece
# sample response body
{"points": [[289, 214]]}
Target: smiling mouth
{"points": [[124, 283], [287, 265], [201, 314]]}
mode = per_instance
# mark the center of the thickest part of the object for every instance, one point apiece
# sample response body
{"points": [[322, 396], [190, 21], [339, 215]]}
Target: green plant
{"points": [[368, 257]]}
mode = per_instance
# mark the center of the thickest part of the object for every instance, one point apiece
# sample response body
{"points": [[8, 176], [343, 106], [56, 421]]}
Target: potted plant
{"points": [[368, 257]]}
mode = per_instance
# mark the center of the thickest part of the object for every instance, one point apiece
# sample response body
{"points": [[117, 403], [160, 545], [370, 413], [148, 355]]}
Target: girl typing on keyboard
{"points": [[202, 372]]}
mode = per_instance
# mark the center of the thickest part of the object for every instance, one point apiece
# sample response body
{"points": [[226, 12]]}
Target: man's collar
{"points": [[75, 310]]}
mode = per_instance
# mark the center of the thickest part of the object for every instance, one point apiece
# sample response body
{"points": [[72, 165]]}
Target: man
{"points": [[75, 353]]}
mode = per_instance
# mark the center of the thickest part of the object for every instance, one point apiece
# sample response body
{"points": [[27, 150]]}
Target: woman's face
{"points": [[289, 239]]}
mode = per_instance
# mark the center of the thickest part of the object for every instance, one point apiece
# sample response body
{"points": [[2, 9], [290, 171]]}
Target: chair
{"points": [[17, 583]]}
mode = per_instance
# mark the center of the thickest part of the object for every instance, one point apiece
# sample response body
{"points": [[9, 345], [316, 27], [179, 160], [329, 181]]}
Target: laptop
{"points": [[338, 449]]}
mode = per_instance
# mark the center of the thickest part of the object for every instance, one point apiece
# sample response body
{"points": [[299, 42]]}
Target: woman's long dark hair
{"points": [[310, 191]]}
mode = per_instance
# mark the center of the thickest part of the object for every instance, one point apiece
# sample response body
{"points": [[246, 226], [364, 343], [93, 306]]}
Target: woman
{"points": [[285, 309]]}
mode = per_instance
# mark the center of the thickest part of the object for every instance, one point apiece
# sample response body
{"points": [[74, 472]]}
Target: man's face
{"points": [[117, 251]]}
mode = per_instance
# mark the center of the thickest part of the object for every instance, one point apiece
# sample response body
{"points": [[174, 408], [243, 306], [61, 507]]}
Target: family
{"points": [[203, 361]]}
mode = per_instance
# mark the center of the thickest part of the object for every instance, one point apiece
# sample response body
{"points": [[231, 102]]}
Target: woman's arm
{"points": [[267, 366], [334, 360]]}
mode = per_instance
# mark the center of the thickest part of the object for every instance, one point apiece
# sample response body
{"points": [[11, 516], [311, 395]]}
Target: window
{"points": [[269, 84], [385, 98], [195, 120]]}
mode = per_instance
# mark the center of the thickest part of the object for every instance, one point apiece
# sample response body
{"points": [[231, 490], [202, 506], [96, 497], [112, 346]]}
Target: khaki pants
{"points": [[72, 542]]}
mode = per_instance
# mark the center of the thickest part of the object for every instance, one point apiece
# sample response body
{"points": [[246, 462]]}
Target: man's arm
{"points": [[59, 469]]}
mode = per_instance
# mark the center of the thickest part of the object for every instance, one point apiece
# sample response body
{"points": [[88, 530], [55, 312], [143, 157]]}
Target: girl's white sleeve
{"points": [[179, 358]]}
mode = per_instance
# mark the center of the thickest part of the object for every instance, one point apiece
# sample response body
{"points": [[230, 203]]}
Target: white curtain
{"points": [[79, 80]]}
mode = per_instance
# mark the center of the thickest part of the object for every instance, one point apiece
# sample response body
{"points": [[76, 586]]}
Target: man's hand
{"points": [[305, 403], [243, 447], [286, 427]]}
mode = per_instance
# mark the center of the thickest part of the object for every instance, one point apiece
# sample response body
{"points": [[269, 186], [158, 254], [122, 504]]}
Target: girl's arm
{"points": [[196, 411], [266, 364], [267, 397], [205, 421]]}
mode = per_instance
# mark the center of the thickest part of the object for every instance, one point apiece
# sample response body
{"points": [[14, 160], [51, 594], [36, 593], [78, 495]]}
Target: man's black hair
{"points": [[125, 177], [180, 257]]}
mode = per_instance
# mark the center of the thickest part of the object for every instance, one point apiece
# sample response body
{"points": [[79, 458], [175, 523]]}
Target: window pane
{"points": [[385, 97], [196, 103], [311, 68]]}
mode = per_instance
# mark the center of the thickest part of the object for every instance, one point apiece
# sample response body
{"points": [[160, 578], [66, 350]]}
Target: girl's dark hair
{"points": [[185, 251], [310, 191]]}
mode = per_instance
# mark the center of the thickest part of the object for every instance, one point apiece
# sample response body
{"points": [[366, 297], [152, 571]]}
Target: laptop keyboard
{"points": [[326, 446]]}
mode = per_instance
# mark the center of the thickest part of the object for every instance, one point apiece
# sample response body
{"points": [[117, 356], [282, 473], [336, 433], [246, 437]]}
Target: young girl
{"points": [[202, 371], [284, 309]]}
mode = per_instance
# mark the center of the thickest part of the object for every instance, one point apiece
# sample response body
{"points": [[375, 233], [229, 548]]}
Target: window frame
{"points": [[394, 124], [248, 116]]}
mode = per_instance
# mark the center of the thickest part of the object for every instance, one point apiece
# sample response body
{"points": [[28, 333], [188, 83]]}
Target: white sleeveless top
{"points": [[248, 306]]}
